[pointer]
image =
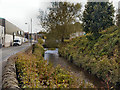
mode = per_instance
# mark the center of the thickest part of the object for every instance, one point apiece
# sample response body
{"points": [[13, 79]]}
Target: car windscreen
{"points": [[16, 40]]}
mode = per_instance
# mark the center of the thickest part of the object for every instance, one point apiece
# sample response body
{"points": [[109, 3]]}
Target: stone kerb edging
{"points": [[9, 77]]}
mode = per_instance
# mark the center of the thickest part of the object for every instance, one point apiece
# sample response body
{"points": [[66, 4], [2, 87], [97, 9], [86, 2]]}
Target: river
{"points": [[52, 56]]}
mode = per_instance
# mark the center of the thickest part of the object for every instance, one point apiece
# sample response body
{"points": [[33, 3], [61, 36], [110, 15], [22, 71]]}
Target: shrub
{"points": [[34, 72], [40, 41], [98, 56]]}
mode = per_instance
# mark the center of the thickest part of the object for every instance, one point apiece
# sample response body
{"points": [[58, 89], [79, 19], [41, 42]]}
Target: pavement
{"points": [[5, 53]]}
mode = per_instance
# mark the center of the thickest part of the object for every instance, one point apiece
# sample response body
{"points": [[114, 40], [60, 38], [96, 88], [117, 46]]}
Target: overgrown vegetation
{"points": [[60, 18], [100, 57], [98, 16], [34, 72], [118, 18]]}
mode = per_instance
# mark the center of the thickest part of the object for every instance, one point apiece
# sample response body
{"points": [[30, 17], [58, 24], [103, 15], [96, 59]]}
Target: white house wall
{"points": [[1, 34], [77, 34], [8, 40], [9, 29]]}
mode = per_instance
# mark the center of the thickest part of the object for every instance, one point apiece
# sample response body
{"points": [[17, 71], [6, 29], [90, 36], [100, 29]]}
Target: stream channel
{"points": [[52, 56]]}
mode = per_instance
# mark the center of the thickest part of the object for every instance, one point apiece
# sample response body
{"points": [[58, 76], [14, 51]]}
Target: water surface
{"points": [[52, 56]]}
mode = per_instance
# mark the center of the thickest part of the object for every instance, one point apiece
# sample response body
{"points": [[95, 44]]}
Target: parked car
{"points": [[17, 42]]}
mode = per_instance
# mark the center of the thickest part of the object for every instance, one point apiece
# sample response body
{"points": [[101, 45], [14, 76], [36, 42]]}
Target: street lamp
{"points": [[30, 36], [36, 34], [31, 32], [28, 32]]}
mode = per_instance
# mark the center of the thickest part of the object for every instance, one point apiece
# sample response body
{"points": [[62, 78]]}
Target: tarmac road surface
{"points": [[5, 53]]}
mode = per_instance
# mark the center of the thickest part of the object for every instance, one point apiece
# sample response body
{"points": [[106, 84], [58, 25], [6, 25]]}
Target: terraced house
{"points": [[8, 32]]}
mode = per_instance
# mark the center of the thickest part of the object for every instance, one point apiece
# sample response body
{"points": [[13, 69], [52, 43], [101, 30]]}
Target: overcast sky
{"points": [[20, 12]]}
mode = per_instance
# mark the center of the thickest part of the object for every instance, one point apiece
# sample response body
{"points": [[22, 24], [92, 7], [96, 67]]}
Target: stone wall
{"points": [[9, 77]]}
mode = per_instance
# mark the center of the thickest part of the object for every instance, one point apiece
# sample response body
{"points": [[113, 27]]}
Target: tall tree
{"points": [[118, 18], [42, 17], [98, 16], [60, 17]]}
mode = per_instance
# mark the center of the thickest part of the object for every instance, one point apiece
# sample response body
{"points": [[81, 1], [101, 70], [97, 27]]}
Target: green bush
{"points": [[99, 56], [40, 41], [35, 72], [38, 50]]}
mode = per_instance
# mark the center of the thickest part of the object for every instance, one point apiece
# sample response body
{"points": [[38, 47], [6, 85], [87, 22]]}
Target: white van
{"points": [[17, 42]]}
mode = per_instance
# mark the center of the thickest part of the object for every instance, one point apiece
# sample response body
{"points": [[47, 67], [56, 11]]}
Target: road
{"points": [[5, 53]]}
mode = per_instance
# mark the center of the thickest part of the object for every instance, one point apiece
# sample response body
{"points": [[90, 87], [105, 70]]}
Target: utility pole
{"points": [[28, 33], [36, 34], [31, 32]]}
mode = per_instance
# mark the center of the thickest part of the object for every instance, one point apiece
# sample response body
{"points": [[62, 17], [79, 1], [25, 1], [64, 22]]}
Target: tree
{"points": [[118, 18], [60, 17], [42, 17], [97, 16]]}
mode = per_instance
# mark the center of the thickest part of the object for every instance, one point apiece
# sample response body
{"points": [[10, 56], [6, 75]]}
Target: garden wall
{"points": [[9, 77]]}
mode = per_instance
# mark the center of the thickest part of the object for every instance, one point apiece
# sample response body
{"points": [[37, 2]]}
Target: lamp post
{"points": [[36, 34], [30, 36], [28, 32], [31, 32]]}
